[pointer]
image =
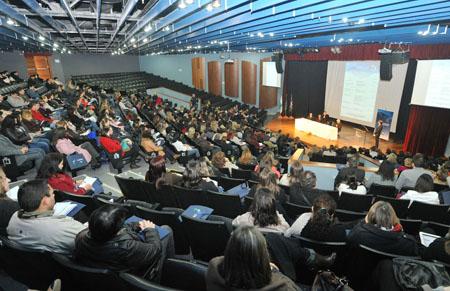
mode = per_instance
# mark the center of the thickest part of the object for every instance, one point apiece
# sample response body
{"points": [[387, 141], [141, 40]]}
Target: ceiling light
{"points": [[55, 45], [345, 19], [148, 28], [69, 52], [41, 38], [10, 21], [181, 4], [340, 40], [42, 44], [132, 40], [361, 21], [271, 34], [145, 40], [209, 7], [216, 4], [189, 2], [134, 45], [25, 37]]}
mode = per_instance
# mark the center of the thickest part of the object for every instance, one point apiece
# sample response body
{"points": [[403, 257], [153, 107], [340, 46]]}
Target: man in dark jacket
{"points": [[111, 244]]}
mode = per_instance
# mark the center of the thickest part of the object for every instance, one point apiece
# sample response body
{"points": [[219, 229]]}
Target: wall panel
{"points": [[267, 95], [198, 73], [248, 82], [214, 78], [232, 79]]}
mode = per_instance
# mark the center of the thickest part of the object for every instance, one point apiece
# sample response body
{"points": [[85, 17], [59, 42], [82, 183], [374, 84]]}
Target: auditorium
{"points": [[224, 145]]}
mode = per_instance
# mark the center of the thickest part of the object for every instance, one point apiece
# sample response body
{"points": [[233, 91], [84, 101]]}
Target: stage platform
{"points": [[346, 137]]}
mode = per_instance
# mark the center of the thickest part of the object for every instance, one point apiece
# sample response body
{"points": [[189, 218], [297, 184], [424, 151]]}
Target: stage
{"points": [[346, 137]]}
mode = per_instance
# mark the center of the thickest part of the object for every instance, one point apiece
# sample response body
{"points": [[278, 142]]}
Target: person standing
{"points": [[377, 132]]}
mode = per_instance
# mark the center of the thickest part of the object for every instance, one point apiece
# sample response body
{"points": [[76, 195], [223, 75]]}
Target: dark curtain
{"points": [[403, 112], [428, 130], [306, 82]]}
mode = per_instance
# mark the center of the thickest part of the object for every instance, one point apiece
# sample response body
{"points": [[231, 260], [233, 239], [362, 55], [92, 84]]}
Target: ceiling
{"points": [[187, 26]]}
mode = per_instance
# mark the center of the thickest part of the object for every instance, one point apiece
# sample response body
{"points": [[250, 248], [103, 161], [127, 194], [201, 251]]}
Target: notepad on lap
{"points": [[198, 211], [427, 238], [63, 208]]}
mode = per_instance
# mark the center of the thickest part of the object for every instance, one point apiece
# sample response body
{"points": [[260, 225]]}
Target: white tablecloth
{"points": [[317, 128]]}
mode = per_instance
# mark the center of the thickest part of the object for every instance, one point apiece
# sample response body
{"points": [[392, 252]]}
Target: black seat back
{"points": [[386, 191], [411, 226], [241, 174], [224, 204], [322, 247], [208, 239], [36, 269], [87, 278], [355, 202], [400, 206], [132, 189], [439, 228], [249, 167], [83, 199], [228, 183], [166, 196], [169, 218], [187, 197], [295, 210], [429, 212], [135, 283], [184, 275], [345, 215]]}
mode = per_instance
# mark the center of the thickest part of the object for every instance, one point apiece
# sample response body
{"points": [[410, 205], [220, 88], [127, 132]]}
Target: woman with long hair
{"points": [[246, 265], [263, 213], [193, 178], [52, 169], [294, 175], [423, 191], [381, 230], [157, 173], [268, 161], [304, 191], [384, 176], [247, 157]]}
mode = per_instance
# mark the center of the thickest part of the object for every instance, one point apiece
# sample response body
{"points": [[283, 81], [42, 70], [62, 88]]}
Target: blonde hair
{"points": [[26, 115], [246, 156], [382, 214], [218, 159]]}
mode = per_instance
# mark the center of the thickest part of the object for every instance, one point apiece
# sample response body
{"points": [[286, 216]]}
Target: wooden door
{"points": [[198, 73], [214, 78], [248, 82], [232, 79], [39, 64], [267, 95]]}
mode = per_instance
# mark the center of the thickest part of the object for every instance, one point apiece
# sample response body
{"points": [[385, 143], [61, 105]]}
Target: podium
{"points": [[361, 135]]}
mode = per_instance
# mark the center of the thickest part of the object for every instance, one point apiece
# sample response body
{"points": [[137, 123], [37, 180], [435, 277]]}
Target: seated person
{"points": [[247, 158], [37, 114], [384, 176], [192, 178], [351, 185], [423, 191], [35, 227], [321, 224], [438, 250], [246, 265], [220, 161], [148, 144], [52, 169], [351, 170], [64, 145], [22, 154], [157, 173], [109, 243], [408, 178], [407, 165], [263, 214], [295, 174], [7, 205], [381, 230], [268, 179], [125, 147], [16, 101], [268, 161], [304, 191]]}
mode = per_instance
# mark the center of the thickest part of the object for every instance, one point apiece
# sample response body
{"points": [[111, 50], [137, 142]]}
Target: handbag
{"points": [[76, 161], [410, 274], [328, 281]]}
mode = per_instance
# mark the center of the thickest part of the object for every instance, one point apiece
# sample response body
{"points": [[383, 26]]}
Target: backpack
{"points": [[411, 274]]}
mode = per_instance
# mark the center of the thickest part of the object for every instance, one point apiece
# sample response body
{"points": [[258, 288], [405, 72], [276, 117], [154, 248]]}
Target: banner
{"points": [[386, 117]]}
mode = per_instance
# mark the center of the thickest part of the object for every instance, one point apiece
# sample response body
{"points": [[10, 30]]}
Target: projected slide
{"points": [[432, 85], [271, 77], [360, 90]]}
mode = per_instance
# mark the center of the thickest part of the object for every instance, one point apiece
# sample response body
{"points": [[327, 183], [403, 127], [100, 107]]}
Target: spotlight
{"points": [[144, 40], [10, 21], [148, 28], [209, 7], [25, 37], [41, 38], [55, 45], [189, 2], [132, 40], [181, 4], [216, 4]]}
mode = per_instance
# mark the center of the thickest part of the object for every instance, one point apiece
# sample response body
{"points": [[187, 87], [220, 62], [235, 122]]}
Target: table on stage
{"points": [[316, 128]]}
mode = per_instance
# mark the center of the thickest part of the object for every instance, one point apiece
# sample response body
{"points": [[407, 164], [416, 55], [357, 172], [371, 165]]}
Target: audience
{"points": [[125, 147], [351, 170], [423, 191], [385, 175], [408, 178], [247, 157], [35, 226], [381, 230], [304, 191], [268, 179], [263, 213], [352, 186], [193, 179], [294, 175], [112, 244], [157, 173], [246, 265]]}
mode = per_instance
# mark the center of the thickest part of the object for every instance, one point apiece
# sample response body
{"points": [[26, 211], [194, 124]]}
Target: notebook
{"points": [[67, 208], [163, 232], [427, 238], [241, 190], [198, 211]]}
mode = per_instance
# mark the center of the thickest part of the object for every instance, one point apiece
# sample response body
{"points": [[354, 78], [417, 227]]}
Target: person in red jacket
{"points": [[37, 115], [52, 170], [126, 147]]}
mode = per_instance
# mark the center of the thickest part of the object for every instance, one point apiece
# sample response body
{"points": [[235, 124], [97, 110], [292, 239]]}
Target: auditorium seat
{"points": [[386, 191], [411, 226], [228, 183], [184, 275], [34, 268], [346, 215], [294, 210], [400, 206], [355, 202], [439, 228], [136, 283], [187, 197], [429, 212], [87, 200], [241, 174], [207, 238], [224, 204], [132, 189]]}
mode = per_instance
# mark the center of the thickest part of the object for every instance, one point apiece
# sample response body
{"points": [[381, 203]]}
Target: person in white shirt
{"points": [[351, 185], [423, 191]]}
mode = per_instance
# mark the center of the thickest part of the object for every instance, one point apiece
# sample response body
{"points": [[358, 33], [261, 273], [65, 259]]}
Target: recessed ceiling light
{"points": [[189, 2], [216, 4], [209, 7], [132, 40], [56, 45], [10, 21], [145, 40], [181, 4], [25, 37], [148, 28], [345, 19], [41, 38], [134, 45]]}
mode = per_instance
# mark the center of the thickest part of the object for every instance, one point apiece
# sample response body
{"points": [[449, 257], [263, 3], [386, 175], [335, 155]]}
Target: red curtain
{"points": [[370, 52], [428, 130]]}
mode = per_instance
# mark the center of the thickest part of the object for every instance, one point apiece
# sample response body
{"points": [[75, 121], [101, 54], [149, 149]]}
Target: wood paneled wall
{"points": [[198, 73], [38, 64], [267, 95], [214, 78], [248, 82], [232, 79]]}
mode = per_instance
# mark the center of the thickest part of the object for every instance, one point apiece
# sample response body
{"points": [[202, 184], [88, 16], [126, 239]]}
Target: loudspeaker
{"points": [[278, 58], [386, 68]]}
